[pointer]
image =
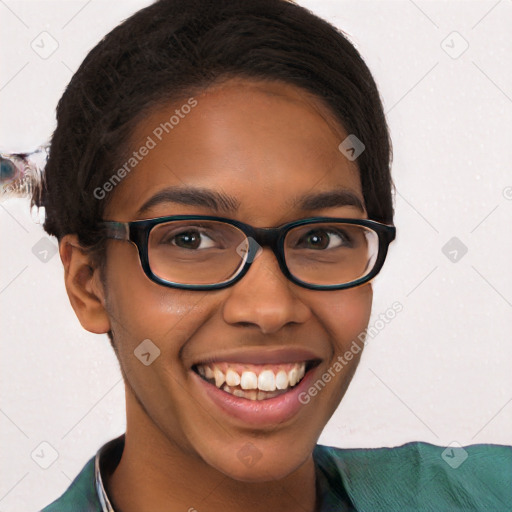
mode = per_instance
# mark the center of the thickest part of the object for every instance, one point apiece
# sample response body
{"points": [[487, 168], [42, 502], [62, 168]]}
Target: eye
{"points": [[190, 239], [7, 170], [323, 239], [11, 171]]}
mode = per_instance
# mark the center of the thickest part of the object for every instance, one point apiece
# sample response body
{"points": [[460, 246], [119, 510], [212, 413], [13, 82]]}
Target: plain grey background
{"points": [[438, 372]]}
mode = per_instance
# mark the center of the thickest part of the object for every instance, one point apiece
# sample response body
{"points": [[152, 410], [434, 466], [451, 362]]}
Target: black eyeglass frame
{"points": [[138, 232]]}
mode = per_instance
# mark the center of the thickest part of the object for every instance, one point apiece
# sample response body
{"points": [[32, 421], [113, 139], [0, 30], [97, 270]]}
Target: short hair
{"points": [[173, 49]]}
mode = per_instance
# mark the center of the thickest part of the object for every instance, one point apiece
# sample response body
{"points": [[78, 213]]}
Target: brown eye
{"points": [[192, 239], [187, 240], [323, 239]]}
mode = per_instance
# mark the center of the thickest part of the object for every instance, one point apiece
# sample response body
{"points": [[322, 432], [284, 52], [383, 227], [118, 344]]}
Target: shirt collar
{"points": [[108, 455]]}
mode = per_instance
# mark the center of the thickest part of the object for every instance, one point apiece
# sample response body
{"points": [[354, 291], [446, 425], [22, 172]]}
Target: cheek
{"points": [[140, 309], [345, 314]]}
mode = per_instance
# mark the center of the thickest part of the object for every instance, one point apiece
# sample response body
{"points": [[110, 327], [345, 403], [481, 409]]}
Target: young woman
{"points": [[219, 183]]}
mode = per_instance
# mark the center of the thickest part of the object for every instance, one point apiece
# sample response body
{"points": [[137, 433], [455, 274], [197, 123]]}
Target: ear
{"points": [[83, 285]]}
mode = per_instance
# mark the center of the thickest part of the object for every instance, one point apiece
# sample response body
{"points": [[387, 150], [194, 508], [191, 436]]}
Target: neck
{"points": [[156, 474]]}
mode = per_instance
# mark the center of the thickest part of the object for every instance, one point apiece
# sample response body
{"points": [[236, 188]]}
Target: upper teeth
{"points": [[268, 379]]}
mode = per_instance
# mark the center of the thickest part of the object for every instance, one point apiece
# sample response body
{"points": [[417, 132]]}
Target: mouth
{"points": [[255, 386], [256, 382]]}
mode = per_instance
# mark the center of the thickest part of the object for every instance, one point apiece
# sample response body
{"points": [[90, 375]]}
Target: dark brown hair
{"points": [[174, 48]]}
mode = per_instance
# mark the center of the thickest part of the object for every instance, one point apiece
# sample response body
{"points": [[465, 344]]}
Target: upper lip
{"points": [[260, 355]]}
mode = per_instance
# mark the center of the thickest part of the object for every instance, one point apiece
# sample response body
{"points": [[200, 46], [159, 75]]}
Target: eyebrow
{"points": [[219, 201], [192, 196]]}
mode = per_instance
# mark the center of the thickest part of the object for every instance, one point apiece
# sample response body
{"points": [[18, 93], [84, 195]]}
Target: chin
{"points": [[253, 464]]}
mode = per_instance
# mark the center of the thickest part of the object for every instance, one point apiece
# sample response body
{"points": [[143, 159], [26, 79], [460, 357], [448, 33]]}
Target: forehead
{"points": [[265, 143]]}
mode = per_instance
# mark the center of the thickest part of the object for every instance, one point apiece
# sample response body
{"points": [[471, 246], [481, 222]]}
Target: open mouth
{"points": [[254, 381]]}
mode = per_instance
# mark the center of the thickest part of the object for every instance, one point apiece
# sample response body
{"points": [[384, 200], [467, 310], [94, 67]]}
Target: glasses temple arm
{"points": [[116, 230]]}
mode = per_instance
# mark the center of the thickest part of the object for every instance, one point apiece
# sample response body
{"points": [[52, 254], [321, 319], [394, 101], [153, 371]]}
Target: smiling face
{"points": [[253, 152]]}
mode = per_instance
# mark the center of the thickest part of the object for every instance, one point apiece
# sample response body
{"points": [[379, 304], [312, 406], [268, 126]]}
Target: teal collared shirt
{"points": [[415, 477]]}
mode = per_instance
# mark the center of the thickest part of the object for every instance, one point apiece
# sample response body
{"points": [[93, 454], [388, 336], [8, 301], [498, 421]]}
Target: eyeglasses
{"points": [[197, 252]]}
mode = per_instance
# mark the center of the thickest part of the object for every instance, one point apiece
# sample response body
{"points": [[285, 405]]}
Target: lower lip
{"points": [[256, 412]]}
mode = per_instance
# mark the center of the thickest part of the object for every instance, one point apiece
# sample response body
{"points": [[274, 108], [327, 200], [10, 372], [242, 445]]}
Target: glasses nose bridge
{"points": [[267, 237]]}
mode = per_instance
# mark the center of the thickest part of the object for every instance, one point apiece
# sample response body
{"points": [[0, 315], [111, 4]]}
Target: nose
{"points": [[265, 298]]}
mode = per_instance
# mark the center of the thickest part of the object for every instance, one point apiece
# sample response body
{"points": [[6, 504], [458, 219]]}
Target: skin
{"points": [[264, 143]]}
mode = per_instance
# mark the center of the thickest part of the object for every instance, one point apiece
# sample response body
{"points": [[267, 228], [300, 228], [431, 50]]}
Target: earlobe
{"points": [[83, 286]]}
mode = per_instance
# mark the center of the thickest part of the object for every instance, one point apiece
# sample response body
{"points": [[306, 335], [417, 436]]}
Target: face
{"points": [[263, 146]]}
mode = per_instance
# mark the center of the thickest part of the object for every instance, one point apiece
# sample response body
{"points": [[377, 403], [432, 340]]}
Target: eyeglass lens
{"points": [[211, 252]]}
